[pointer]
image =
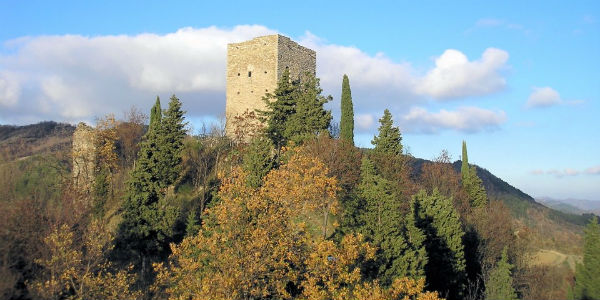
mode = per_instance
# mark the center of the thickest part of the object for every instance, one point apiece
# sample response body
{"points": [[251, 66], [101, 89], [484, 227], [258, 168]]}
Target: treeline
{"points": [[280, 208]]}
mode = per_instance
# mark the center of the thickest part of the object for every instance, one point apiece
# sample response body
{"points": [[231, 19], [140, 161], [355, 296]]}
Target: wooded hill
{"points": [[281, 209]]}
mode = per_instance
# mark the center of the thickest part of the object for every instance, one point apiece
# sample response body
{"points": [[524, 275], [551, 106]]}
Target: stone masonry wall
{"points": [[298, 59], [84, 156], [254, 68]]}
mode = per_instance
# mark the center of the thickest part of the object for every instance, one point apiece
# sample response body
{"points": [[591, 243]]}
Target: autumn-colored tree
{"points": [[441, 175], [253, 241], [304, 183], [245, 127], [343, 161], [24, 223], [130, 132], [105, 144], [333, 272], [81, 271], [546, 282]]}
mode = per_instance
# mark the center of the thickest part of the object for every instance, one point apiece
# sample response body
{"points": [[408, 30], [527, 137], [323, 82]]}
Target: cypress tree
{"points": [[471, 182], [155, 115], [437, 217], [399, 242], [310, 117], [389, 139], [500, 283], [464, 169], [587, 275], [347, 118]]}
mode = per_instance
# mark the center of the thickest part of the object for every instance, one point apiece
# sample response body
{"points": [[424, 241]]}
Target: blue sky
{"points": [[518, 80]]}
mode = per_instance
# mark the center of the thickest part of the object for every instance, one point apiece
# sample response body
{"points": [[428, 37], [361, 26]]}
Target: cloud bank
{"points": [[595, 170], [73, 78]]}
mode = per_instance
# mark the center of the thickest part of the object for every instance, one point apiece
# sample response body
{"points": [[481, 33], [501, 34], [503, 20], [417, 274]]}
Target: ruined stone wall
{"points": [[84, 156], [254, 68]]}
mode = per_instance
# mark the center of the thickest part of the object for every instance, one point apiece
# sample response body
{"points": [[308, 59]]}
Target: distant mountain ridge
{"points": [[575, 206], [518, 201]]}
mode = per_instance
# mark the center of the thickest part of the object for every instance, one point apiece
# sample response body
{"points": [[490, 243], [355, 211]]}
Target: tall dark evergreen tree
{"points": [[310, 117], [147, 222], [347, 118], [587, 275], [389, 139], [172, 133], [437, 217], [464, 168], [400, 243], [155, 115], [500, 283], [471, 182], [281, 105]]}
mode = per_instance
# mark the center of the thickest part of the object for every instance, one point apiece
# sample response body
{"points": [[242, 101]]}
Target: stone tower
{"points": [[254, 67], [84, 156]]}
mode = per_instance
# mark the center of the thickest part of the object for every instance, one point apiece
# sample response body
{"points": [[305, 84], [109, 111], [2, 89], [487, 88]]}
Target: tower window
{"points": [[249, 73], [238, 74], [265, 72]]}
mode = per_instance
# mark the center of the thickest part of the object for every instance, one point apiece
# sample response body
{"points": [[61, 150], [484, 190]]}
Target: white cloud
{"points": [[9, 89], [72, 78], [543, 97], [365, 121], [454, 76], [593, 170], [466, 119]]}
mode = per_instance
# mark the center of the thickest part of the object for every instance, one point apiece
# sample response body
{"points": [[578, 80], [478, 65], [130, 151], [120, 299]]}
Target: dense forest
{"points": [[286, 207]]}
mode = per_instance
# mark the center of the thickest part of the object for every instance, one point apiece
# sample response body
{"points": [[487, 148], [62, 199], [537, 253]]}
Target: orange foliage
{"points": [[332, 272], [252, 242], [106, 137], [76, 271]]}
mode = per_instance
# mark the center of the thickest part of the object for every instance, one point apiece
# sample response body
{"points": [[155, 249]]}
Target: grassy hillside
{"points": [[553, 229], [41, 138]]}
